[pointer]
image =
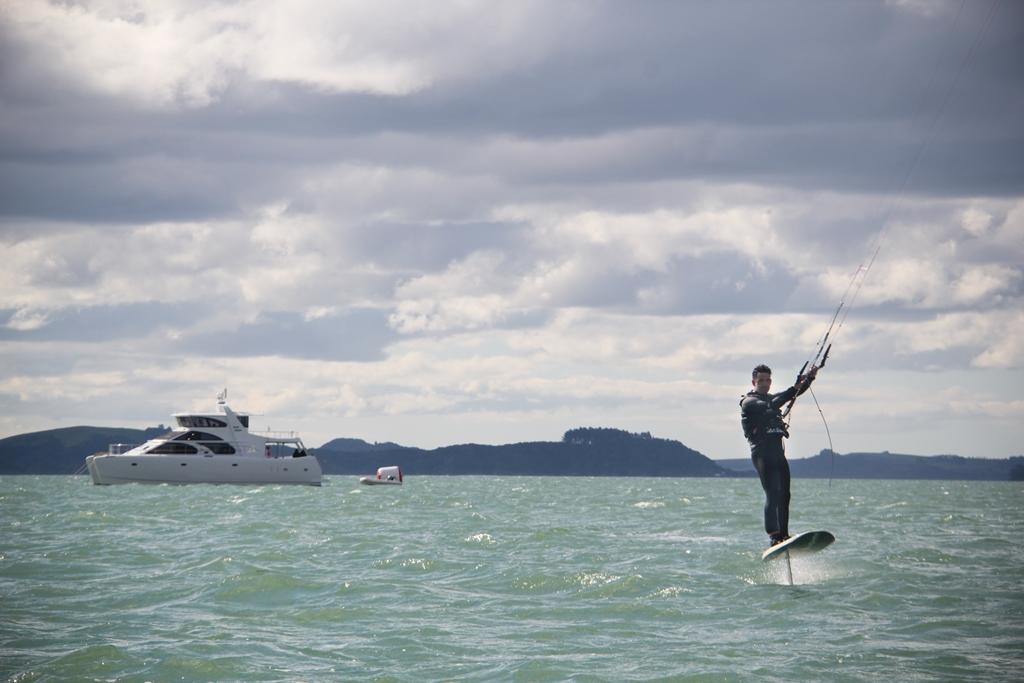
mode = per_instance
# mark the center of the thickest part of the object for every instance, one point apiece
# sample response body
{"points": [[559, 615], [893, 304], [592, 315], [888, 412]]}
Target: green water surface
{"points": [[507, 578]]}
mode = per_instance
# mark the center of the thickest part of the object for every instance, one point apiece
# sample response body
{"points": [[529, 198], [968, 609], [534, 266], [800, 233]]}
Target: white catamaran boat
{"points": [[213, 448]]}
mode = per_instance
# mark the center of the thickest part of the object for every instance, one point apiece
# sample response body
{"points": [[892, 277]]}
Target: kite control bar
{"points": [[800, 379]]}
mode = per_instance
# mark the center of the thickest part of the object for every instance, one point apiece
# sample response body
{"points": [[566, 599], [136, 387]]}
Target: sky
{"points": [[451, 222]]}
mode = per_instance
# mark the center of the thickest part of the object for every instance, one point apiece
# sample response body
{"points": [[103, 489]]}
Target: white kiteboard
{"points": [[802, 544]]}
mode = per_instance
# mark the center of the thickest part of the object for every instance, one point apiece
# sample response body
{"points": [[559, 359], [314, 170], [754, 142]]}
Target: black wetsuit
{"points": [[761, 416]]}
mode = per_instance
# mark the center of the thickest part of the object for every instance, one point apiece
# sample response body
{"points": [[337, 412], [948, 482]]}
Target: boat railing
{"points": [[120, 448], [278, 436]]}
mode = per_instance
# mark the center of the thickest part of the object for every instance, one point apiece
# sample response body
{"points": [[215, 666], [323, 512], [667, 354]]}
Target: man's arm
{"points": [[803, 383], [783, 397], [750, 418]]}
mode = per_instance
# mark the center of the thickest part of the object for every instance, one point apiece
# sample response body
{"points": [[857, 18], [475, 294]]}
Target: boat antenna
{"points": [[222, 397]]}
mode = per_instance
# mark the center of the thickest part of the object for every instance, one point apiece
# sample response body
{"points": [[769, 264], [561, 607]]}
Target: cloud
{"points": [[1004, 345], [26, 320], [357, 334], [187, 54], [928, 8], [976, 221], [512, 218], [98, 323], [469, 294], [179, 54], [981, 285], [578, 91], [928, 284]]}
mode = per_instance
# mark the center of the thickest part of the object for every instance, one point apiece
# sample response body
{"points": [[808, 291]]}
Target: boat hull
{"points": [[370, 481], [193, 469]]}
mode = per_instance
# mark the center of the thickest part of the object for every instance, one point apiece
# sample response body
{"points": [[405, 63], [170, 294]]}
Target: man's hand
{"points": [[808, 378]]}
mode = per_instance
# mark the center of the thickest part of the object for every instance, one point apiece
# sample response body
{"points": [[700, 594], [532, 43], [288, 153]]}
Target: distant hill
{"points": [[596, 452], [887, 465], [590, 451], [357, 446], [63, 451], [582, 452]]}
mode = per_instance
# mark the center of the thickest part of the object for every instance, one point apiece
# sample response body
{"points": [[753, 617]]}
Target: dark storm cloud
{"points": [[837, 95], [430, 246], [605, 287], [39, 361], [717, 282], [140, 191], [668, 64], [104, 323], [354, 335]]}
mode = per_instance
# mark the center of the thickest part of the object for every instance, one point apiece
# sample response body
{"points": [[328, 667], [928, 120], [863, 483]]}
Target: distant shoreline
{"points": [[587, 451]]}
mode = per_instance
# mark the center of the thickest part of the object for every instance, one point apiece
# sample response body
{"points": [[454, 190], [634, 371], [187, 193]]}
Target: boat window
{"points": [[174, 448], [194, 421], [197, 436], [220, 448], [244, 419]]}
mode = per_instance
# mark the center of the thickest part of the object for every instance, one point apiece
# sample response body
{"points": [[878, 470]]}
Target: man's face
{"points": [[762, 382]]}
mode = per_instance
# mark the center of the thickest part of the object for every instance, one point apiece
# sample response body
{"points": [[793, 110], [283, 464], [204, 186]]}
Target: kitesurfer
{"points": [[765, 427]]}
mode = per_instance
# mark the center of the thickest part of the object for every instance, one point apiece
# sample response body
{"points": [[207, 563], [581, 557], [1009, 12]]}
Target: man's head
{"points": [[761, 378]]}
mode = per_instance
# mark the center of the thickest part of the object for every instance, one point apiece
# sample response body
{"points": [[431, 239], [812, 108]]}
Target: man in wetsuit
{"points": [[764, 427]]}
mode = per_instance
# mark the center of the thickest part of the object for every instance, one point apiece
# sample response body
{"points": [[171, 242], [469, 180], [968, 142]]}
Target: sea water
{"points": [[507, 579]]}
